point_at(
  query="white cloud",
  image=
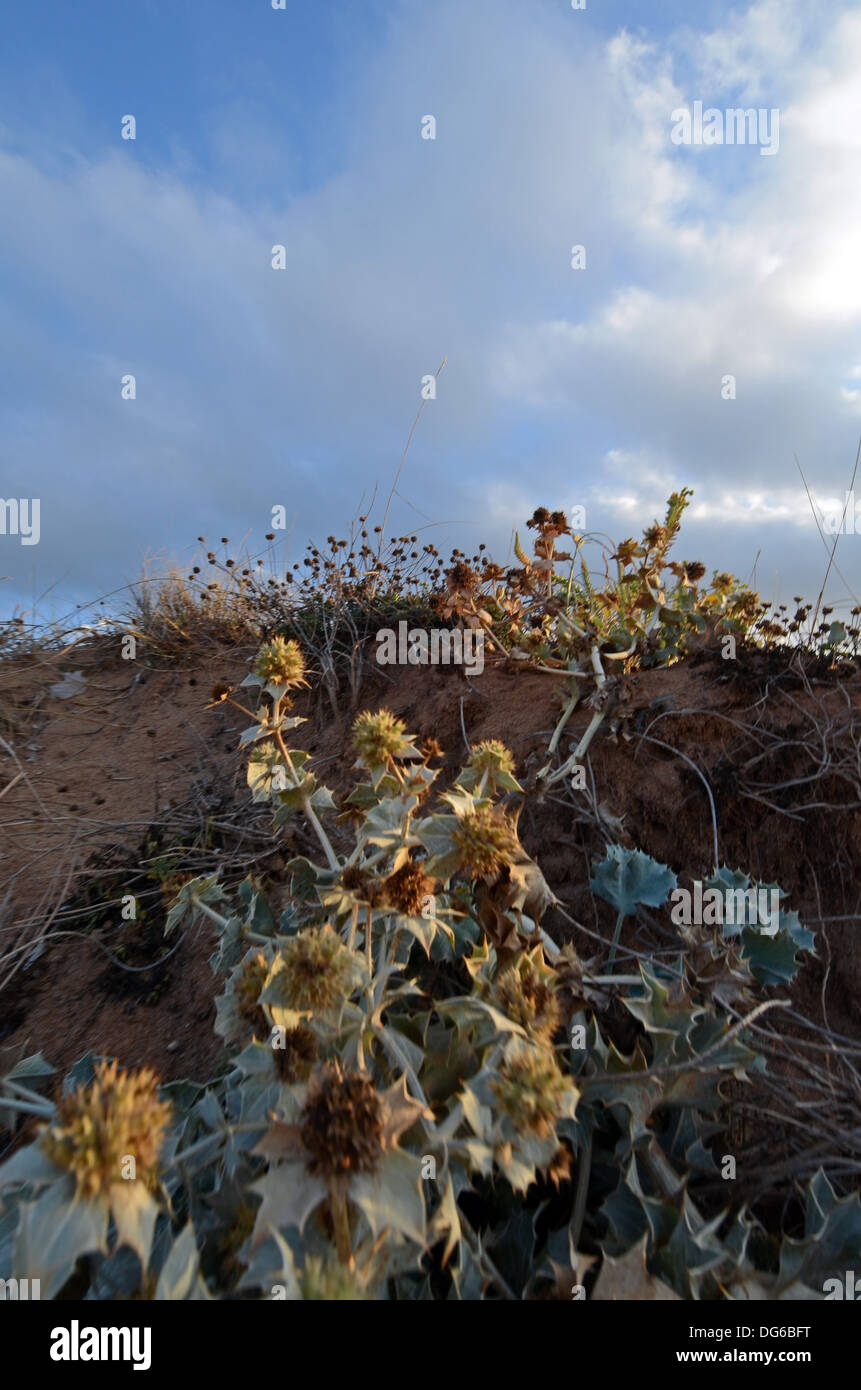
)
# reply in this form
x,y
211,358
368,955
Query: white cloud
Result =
x,y
257,388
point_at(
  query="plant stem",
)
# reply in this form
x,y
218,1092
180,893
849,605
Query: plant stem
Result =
x,y
351,939
583,1170
209,912
579,752
198,1147
27,1107
25,1093
619,920
341,1222
330,854
570,706
369,954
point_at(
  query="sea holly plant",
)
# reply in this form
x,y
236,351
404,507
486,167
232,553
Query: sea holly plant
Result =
x,y
751,914
626,877
90,1182
401,1110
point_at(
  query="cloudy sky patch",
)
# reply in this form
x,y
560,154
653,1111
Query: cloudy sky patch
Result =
x,y
599,386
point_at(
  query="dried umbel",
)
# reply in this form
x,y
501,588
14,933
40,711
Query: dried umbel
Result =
x,y
314,972
342,1124
281,662
363,885
247,990
98,1127
295,1053
690,572
491,756
530,1089
379,737
462,578
656,537
407,888
526,992
486,842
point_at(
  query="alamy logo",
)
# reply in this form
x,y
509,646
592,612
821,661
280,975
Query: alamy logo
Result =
x,y
839,518
737,126
20,1288
746,907
20,517
844,1288
438,646
78,1343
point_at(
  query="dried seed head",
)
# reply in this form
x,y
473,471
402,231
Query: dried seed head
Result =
x,y
281,662
656,537
247,991
530,1089
379,737
99,1126
363,885
295,1060
314,972
354,879
407,888
491,756
486,842
627,551
342,1124
526,992
689,571
462,578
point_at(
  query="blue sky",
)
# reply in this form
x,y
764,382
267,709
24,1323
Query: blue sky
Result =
x,y
301,127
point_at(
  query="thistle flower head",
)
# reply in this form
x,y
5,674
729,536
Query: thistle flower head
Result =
x,y
407,888
485,840
342,1124
745,604
363,885
247,989
379,737
314,972
99,1126
688,571
281,662
526,992
530,1089
295,1060
656,537
491,755
461,578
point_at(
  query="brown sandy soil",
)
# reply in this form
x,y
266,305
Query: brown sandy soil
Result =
x,y
105,782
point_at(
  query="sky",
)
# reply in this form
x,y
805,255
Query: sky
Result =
x,y
710,340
